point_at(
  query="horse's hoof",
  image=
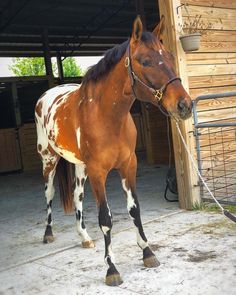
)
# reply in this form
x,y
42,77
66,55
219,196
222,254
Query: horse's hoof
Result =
x,y
151,261
88,244
48,239
114,280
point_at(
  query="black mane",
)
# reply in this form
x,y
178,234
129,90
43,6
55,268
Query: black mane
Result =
x,y
112,57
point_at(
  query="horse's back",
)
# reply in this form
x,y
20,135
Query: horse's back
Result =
x,y
54,112
54,95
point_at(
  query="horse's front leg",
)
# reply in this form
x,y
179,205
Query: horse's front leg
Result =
x,y
128,178
97,180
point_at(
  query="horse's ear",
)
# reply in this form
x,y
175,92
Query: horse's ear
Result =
x,y
158,31
137,29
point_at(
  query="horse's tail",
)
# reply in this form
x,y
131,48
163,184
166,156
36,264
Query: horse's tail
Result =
x,y
66,175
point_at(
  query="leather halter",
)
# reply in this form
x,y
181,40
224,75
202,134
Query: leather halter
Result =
x,y
158,93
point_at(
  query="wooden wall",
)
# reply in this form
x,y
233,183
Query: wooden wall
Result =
x,y
212,69
157,148
18,149
28,144
10,158
138,121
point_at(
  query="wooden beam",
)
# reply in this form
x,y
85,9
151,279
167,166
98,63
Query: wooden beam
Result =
x,y
58,47
16,104
209,12
40,53
212,3
61,39
211,70
60,67
200,58
202,91
47,57
23,79
212,81
187,179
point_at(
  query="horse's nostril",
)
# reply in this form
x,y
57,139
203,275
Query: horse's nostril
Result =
x,y
181,105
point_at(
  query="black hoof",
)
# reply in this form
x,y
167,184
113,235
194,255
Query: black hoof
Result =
x,y
151,261
48,236
48,239
113,277
114,280
149,258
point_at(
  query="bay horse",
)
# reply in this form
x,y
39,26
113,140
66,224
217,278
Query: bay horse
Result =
x,y
90,126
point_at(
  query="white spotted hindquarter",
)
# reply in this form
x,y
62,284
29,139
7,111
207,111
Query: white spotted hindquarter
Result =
x,y
54,121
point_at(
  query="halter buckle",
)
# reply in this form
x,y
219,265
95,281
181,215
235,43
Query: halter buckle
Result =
x,y
127,61
158,94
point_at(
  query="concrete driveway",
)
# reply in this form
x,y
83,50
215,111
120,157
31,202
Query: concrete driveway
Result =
x,y
197,250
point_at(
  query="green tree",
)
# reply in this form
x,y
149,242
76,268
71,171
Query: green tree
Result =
x,y
34,66
70,68
28,66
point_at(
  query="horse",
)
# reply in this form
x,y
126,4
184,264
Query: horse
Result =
x,y
87,130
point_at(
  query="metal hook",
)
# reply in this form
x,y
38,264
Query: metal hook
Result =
x,y
178,7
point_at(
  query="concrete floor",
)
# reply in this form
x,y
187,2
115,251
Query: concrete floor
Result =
x,y
196,249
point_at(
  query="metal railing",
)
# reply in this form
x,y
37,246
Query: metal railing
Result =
x,y
215,133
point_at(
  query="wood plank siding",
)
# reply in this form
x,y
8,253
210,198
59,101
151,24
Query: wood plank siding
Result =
x,y
212,69
28,143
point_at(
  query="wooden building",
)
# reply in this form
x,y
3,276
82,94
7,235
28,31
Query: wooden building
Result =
x,y
211,69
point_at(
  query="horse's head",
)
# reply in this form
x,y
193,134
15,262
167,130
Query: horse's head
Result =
x,y
151,70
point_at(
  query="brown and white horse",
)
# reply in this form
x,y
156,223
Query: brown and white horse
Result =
x,y
91,127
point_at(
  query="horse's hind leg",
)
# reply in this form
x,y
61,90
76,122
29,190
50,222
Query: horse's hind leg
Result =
x,y
50,161
128,175
80,178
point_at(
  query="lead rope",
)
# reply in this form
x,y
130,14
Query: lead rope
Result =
x,y
171,175
224,211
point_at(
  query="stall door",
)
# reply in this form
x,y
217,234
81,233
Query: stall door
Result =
x,y
9,150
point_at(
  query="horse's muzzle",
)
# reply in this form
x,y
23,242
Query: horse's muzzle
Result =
x,y
184,109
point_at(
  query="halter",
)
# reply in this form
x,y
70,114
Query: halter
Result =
x,y
158,93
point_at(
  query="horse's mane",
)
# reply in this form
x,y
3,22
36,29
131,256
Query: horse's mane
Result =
x,y
112,57
103,67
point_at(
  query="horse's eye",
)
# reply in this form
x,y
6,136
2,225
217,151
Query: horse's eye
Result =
x,y
146,63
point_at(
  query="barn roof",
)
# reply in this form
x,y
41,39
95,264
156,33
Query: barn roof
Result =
x,y
75,27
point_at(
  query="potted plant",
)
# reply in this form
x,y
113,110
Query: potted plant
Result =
x,y
192,30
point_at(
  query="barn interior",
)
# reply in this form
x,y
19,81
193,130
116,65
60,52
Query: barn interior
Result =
x,y
61,29
56,29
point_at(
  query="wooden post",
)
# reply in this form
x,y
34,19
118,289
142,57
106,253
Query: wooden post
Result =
x,y
16,104
144,107
187,179
60,68
47,57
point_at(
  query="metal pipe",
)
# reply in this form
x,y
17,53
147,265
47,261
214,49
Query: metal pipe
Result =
x,y
207,125
212,96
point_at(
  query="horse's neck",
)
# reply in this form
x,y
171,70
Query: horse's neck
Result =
x,y
109,100
116,97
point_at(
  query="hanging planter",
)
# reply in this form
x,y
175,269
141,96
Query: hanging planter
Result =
x,y
190,42
191,31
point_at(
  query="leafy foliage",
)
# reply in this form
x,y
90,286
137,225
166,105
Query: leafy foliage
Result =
x,y
34,66
30,66
70,68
